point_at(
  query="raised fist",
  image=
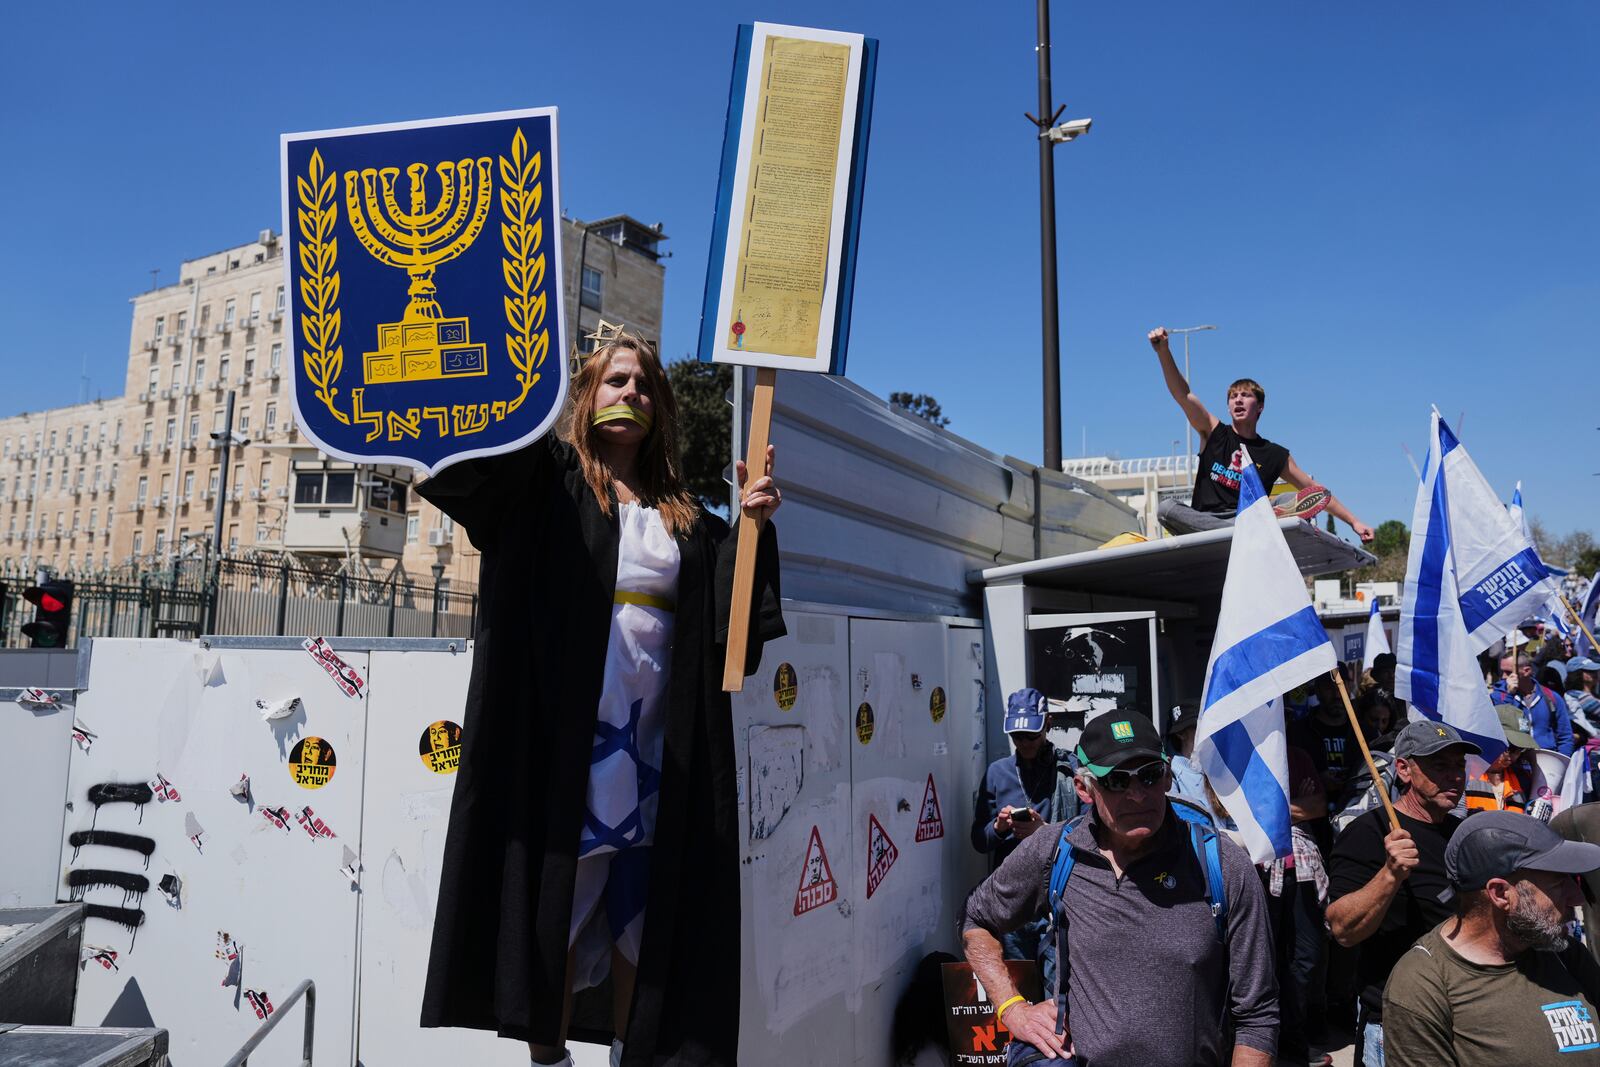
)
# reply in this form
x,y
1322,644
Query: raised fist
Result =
x,y
1158,338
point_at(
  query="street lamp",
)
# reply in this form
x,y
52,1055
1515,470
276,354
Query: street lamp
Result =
x,y
1188,447
1050,135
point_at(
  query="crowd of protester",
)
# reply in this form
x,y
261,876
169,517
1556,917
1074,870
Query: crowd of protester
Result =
x,y
1444,936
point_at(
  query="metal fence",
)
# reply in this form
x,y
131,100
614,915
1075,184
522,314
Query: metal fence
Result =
x,y
249,597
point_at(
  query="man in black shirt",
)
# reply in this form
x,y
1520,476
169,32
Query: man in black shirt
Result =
x,y
1386,888
1216,482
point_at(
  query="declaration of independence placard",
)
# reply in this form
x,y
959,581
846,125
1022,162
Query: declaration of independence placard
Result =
x,y
782,260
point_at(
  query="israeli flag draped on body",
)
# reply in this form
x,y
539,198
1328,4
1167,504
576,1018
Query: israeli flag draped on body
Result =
x,y
1437,667
1268,642
1377,640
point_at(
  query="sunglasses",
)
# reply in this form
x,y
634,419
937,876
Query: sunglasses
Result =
x,y
1149,776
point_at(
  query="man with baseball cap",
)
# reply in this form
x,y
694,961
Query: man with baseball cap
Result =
x,y
1020,793
1500,983
1149,974
1388,887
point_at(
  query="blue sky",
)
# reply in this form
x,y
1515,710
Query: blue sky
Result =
x,y
1382,205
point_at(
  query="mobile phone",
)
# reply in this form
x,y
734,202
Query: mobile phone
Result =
x,y
1022,815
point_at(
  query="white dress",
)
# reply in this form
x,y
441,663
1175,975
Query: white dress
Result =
x,y
625,768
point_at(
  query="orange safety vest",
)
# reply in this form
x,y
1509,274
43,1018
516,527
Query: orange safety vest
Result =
x,y
1508,795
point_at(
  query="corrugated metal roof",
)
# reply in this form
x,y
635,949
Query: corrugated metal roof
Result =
x,y
884,510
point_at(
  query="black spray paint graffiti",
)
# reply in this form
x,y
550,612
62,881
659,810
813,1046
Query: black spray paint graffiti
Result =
x,y
112,839
133,886
129,918
136,793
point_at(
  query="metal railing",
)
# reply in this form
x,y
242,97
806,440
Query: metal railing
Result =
x,y
307,989
252,597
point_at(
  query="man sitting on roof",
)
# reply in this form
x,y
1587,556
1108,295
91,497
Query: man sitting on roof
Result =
x,y
1216,481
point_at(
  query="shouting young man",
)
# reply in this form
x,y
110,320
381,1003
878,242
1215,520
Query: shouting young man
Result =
x,y
1216,481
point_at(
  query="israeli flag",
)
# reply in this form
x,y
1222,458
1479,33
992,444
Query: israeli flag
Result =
x,y
1500,579
1437,669
1553,613
1268,642
1586,615
1377,640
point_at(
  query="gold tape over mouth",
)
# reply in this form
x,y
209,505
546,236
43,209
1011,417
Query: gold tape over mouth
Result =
x,y
622,412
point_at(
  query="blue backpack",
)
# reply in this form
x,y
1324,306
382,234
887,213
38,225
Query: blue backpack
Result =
x,y
1203,838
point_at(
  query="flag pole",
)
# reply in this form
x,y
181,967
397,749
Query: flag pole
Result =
x,y
1361,739
1578,615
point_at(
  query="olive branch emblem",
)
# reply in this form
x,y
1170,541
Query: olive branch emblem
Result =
x,y
523,265
323,356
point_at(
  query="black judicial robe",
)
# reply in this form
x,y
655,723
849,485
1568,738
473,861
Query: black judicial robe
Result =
x,y
547,578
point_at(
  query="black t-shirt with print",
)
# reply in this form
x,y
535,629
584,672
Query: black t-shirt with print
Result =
x,y
1216,482
1423,901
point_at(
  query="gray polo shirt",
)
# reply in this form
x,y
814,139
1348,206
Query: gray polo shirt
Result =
x,y
1148,983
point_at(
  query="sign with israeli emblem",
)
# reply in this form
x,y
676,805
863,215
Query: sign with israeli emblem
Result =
x,y
423,265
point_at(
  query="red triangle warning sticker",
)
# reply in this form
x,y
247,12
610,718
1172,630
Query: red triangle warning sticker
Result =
x,y
817,886
931,823
881,854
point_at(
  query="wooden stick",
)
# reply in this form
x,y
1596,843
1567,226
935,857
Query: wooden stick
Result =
x,y
744,565
1361,739
1593,644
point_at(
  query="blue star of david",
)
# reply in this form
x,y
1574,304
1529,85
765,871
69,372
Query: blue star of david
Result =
x,y
609,740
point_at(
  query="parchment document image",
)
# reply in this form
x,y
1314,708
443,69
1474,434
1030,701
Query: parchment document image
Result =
x,y
783,257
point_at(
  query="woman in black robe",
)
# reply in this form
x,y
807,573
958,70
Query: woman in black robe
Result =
x,y
546,521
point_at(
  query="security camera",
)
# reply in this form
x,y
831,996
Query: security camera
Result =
x,y
1067,131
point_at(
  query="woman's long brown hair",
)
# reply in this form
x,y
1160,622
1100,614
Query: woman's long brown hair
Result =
x,y
660,465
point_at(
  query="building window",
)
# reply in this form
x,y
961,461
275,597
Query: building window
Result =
x,y
48,477
228,310
308,488
388,495
341,488
69,436
161,327
255,306
266,470
52,440
117,438
138,542
593,287
249,364
233,539
143,491
161,541
275,358
278,300
194,430
154,381
413,525
183,322
172,433
199,372
224,364
211,482
149,431
205,316
98,481
77,481
270,421
166,489
188,484
91,521
244,420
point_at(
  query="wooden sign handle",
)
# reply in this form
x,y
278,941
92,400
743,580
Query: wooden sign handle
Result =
x,y
1361,738
744,565
1581,625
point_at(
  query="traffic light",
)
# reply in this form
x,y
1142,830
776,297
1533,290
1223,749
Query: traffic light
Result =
x,y
52,613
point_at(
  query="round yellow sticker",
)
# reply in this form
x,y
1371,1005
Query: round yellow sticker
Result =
x,y
936,703
440,747
864,723
312,762
785,686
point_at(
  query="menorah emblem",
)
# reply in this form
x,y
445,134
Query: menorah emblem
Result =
x,y
424,344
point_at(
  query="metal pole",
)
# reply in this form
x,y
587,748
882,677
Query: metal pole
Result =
x,y
1047,254
338,626
1188,448
222,478
283,597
